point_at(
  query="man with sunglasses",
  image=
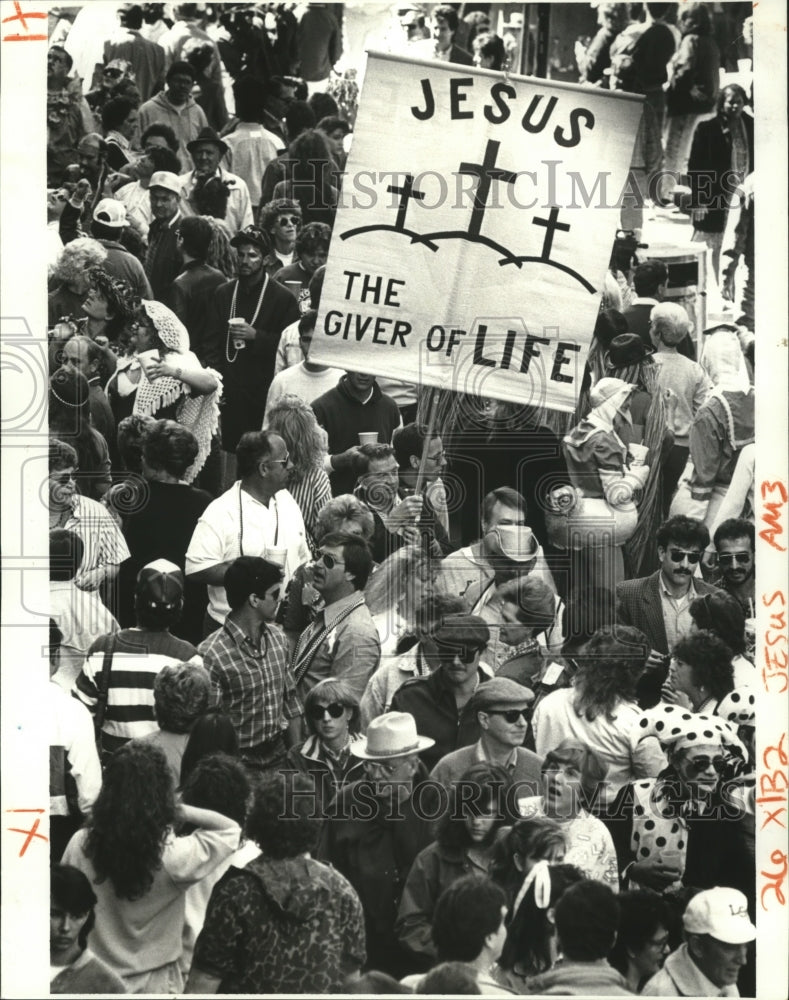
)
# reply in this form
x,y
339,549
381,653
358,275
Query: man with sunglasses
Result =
x,y
735,545
441,703
659,605
247,659
502,708
342,641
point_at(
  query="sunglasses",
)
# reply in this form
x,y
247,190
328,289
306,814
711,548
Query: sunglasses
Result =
x,y
677,555
288,220
114,74
511,715
317,712
729,558
701,764
329,561
465,654
279,461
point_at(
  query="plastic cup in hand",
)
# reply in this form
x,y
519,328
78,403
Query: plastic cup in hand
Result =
x,y
638,453
368,437
148,359
238,342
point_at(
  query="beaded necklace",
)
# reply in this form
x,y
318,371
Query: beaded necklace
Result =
x,y
233,316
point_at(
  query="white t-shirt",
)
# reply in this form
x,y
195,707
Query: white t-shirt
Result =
x,y
237,524
299,381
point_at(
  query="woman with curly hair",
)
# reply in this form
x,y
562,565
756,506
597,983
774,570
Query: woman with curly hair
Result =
x,y
396,590
69,421
600,709
466,834
108,307
294,421
76,261
308,169
181,694
285,923
167,380
280,220
531,946
701,673
140,870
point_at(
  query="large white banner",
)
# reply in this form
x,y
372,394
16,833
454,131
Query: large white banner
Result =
x,y
475,227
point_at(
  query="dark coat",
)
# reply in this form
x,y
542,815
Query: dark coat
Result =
x,y
189,297
637,317
708,168
375,854
432,703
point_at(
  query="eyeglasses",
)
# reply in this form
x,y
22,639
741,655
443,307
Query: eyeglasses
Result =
x,y
466,654
388,767
279,461
677,555
729,558
511,715
330,561
317,712
288,220
113,73
701,764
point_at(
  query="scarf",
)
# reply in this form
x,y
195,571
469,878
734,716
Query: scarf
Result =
x,y
200,414
601,418
313,637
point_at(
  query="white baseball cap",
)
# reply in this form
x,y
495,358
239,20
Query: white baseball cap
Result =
x,y
112,213
722,913
167,180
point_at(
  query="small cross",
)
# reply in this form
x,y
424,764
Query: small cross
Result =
x,y
486,172
551,225
406,192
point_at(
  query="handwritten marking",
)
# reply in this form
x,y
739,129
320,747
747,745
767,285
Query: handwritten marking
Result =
x,y
22,18
29,834
772,514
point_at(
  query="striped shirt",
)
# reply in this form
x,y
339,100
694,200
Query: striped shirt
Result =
x,y
138,657
103,540
311,493
252,680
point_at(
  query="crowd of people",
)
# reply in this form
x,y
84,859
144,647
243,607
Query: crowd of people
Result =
x,y
345,697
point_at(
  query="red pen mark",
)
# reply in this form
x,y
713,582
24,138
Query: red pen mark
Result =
x,y
22,18
31,833
772,514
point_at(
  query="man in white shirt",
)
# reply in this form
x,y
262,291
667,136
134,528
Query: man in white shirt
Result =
x,y
307,380
257,516
206,152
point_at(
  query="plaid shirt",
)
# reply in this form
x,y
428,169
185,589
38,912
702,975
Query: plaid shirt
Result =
x,y
253,681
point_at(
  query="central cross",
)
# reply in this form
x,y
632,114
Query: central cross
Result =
x,y
486,172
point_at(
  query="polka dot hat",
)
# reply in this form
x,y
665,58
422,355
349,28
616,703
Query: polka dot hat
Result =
x,y
678,728
738,708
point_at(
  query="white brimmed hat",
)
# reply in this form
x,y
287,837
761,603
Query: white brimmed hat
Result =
x,y
722,913
391,735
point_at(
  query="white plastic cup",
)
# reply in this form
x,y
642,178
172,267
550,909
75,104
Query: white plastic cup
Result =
x,y
368,437
149,358
238,342
276,555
